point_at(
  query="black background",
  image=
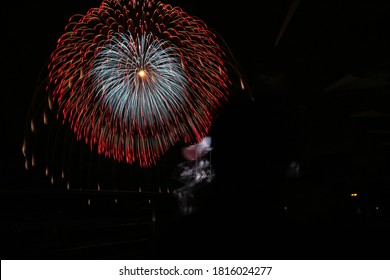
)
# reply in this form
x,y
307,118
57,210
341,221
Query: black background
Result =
x,y
254,209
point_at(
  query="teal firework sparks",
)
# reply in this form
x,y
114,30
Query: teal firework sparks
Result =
x,y
133,78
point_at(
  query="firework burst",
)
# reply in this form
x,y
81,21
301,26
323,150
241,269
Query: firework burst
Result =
x,y
133,78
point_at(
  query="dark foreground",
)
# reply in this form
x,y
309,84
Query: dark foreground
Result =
x,y
77,225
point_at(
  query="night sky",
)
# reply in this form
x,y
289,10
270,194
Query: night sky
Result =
x,y
287,161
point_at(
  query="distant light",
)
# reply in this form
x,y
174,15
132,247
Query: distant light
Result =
x,y
377,208
354,194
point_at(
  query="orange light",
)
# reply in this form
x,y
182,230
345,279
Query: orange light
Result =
x,y
354,194
142,73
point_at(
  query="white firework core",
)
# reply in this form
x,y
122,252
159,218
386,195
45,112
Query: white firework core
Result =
x,y
141,79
